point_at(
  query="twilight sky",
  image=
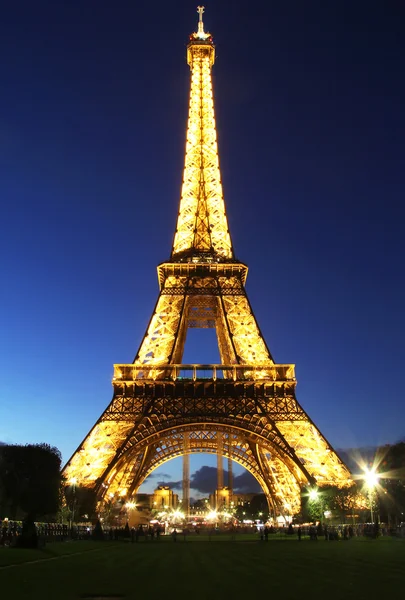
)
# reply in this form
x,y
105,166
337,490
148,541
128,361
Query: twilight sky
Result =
x,y
309,103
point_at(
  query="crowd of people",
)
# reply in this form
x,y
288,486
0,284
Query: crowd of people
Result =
x,y
11,530
144,532
318,530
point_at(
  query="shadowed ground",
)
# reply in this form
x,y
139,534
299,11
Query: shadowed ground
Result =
x,y
197,568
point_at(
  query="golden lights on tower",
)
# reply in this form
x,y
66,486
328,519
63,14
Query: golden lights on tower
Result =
x,y
248,401
202,224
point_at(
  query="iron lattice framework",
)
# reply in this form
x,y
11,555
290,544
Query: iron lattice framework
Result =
x,y
244,408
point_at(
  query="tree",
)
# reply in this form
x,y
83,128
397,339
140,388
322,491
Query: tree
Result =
x,y
81,502
258,504
199,504
346,501
107,512
315,502
391,488
29,480
312,507
97,533
244,512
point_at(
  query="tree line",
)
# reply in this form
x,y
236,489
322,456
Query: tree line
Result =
x,y
32,486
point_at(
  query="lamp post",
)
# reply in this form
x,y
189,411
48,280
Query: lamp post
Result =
x,y
130,507
371,478
313,494
316,496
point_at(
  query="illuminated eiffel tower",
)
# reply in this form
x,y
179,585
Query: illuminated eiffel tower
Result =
x,y
245,408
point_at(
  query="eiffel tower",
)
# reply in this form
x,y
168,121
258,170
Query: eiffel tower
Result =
x,y
243,408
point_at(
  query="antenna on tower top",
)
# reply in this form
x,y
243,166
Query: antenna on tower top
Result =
x,y
201,38
200,10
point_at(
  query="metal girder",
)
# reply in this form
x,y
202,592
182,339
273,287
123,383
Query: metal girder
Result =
x,y
234,445
240,340
158,418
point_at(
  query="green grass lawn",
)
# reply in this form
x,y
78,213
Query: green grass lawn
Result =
x,y
245,568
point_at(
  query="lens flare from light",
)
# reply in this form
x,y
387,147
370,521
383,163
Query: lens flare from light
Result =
x,y
371,478
178,514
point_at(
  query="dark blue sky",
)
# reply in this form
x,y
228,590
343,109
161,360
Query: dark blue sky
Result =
x,y
309,102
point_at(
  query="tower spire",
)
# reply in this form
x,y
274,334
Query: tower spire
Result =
x,y
202,232
201,33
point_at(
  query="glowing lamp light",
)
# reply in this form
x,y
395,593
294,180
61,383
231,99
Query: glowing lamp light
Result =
x,y
212,515
178,514
313,495
371,478
73,481
130,505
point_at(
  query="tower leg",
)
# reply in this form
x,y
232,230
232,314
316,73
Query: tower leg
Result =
x,y
186,476
220,468
230,481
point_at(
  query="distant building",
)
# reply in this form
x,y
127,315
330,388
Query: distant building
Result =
x,y
163,498
223,499
200,508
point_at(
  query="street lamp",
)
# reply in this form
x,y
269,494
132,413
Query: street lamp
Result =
x,y
316,496
177,515
371,479
130,505
313,494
